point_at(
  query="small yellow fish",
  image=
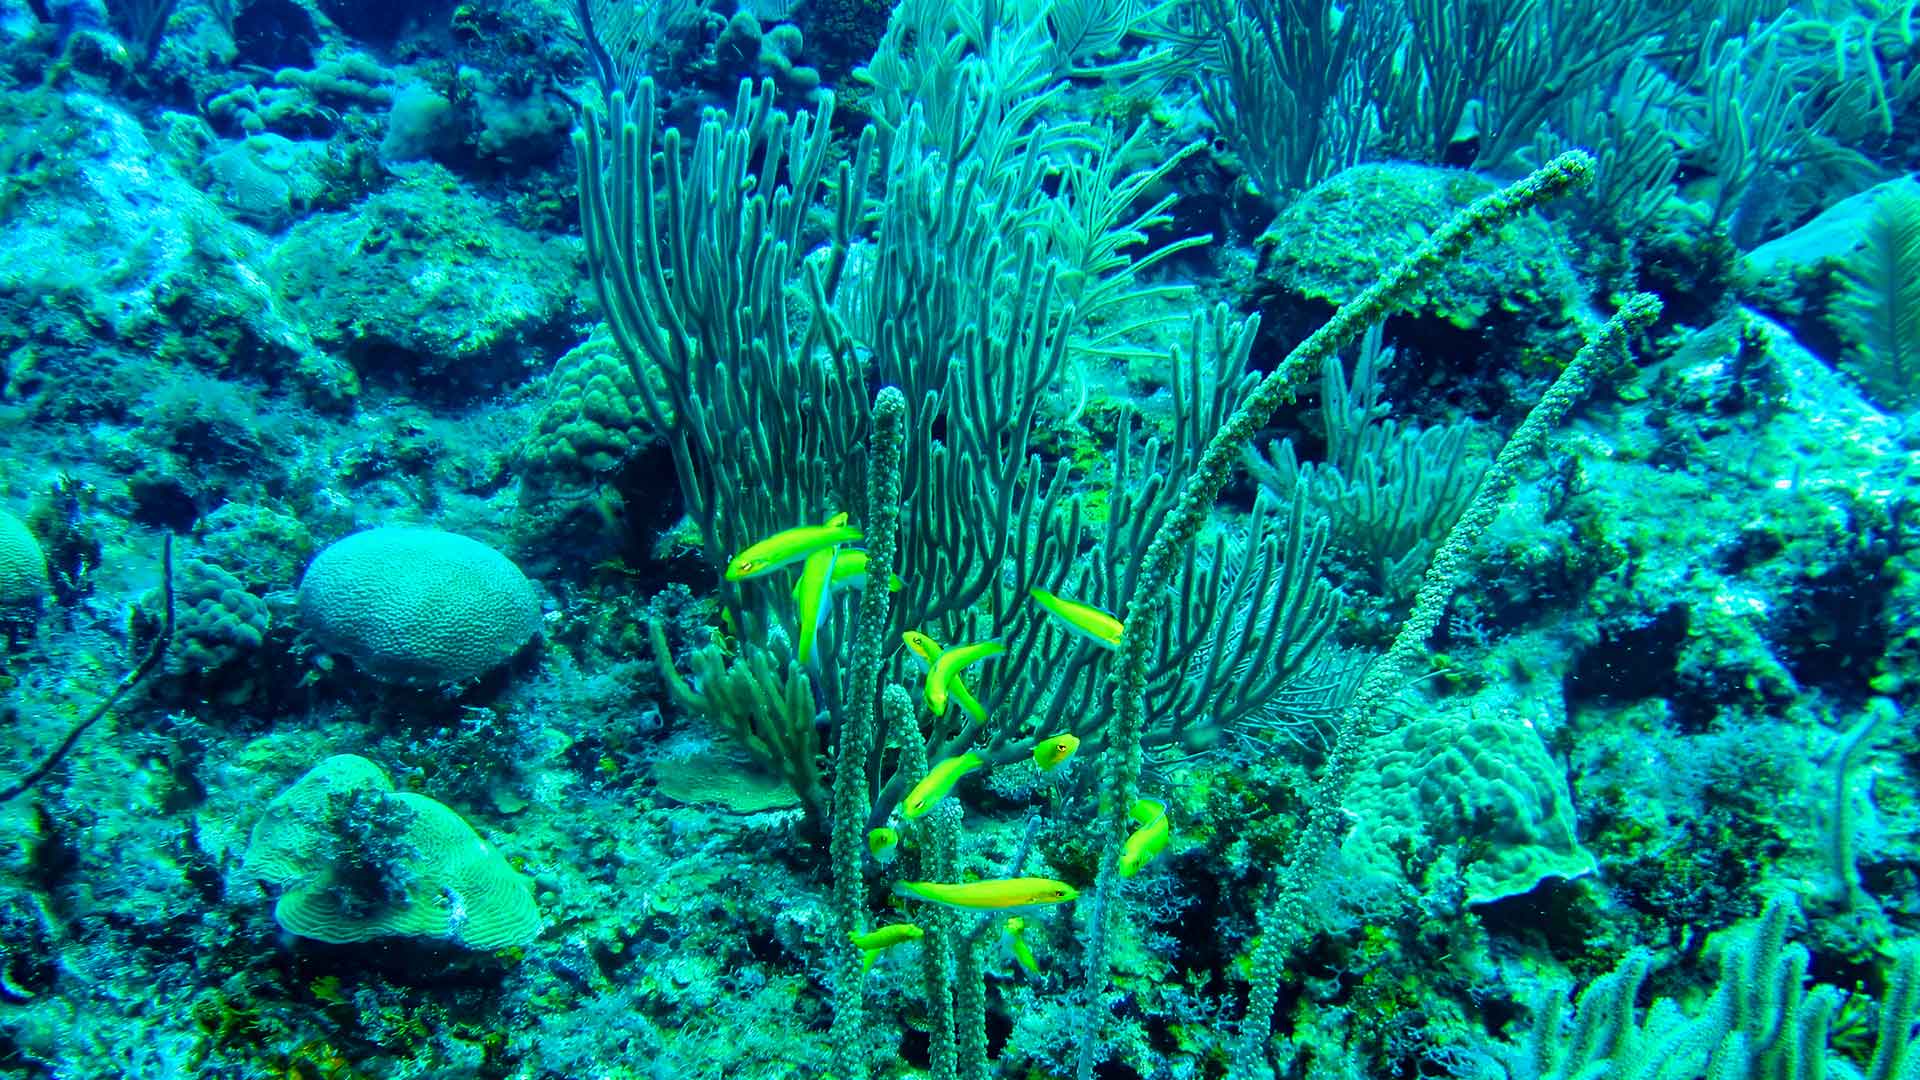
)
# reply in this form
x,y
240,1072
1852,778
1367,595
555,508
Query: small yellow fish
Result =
x,y
939,780
945,674
1017,945
786,548
999,894
1083,619
850,572
925,651
1149,839
813,594
1052,753
883,844
874,942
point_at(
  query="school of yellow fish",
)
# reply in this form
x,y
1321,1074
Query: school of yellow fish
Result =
x,y
827,568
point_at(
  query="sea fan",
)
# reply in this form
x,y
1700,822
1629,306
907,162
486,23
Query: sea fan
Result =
x,y
1879,313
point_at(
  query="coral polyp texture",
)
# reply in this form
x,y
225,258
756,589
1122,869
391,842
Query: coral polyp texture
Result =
x,y
352,860
418,606
23,568
1475,789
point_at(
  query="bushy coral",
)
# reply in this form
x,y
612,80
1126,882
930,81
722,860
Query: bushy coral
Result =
x,y
217,626
63,520
592,423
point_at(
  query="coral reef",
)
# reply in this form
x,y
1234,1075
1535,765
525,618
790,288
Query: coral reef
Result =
x,y
387,390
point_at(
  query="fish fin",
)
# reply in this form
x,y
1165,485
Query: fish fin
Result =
x,y
1146,811
970,703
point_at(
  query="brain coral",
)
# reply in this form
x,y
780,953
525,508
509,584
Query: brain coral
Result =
x,y
418,606
23,567
1473,784
356,860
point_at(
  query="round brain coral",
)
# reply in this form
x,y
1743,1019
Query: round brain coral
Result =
x,y
418,606
23,567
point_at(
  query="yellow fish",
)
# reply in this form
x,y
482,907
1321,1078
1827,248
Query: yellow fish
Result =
x,y
883,844
813,594
945,674
925,651
939,780
788,547
850,572
874,942
1083,619
1052,753
1149,839
1017,945
999,894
